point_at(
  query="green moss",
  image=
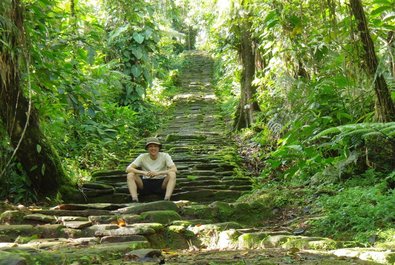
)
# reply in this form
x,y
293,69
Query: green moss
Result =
x,y
223,211
12,217
162,217
197,211
251,240
25,239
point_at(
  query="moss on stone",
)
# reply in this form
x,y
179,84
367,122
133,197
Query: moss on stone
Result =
x,y
162,217
12,217
198,210
251,240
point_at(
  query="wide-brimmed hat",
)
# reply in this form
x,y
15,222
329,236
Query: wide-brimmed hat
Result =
x,y
152,140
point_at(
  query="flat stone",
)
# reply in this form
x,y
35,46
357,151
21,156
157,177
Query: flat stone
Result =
x,y
12,217
163,216
251,240
208,228
110,179
150,206
50,230
371,254
71,218
98,228
205,195
85,241
47,243
11,259
131,218
102,219
40,217
126,231
118,239
115,198
97,192
77,224
7,245
107,172
96,186
100,206
86,213
145,255
8,233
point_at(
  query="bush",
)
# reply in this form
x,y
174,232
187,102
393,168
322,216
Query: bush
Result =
x,y
358,212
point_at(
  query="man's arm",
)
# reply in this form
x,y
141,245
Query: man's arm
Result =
x,y
133,168
163,172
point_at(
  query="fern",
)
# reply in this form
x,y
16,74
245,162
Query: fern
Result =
x,y
360,130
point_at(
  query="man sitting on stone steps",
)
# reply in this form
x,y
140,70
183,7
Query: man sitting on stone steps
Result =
x,y
152,172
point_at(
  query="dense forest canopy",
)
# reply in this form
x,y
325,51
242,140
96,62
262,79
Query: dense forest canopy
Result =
x,y
309,86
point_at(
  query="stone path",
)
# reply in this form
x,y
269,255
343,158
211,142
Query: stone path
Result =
x,y
204,224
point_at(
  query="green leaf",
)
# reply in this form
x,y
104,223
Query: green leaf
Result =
x,y
136,70
138,52
38,148
380,10
118,32
271,19
148,32
385,2
139,38
43,169
140,90
295,147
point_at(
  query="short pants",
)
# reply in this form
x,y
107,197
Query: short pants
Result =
x,y
152,186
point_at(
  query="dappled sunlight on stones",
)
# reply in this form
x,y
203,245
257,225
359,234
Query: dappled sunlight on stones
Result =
x,y
377,255
103,226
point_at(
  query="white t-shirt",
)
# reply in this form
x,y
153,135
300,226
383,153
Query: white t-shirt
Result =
x,y
162,162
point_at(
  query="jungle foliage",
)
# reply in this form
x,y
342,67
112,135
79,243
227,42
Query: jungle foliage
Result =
x,y
307,110
89,71
316,131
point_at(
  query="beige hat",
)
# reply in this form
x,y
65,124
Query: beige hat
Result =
x,y
152,140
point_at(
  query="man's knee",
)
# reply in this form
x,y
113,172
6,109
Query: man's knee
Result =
x,y
130,176
172,175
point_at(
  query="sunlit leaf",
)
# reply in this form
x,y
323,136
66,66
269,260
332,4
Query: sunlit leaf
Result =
x,y
43,169
118,32
138,52
136,70
139,38
38,148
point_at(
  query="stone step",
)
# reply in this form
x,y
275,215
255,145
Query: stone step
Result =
x,y
217,187
206,195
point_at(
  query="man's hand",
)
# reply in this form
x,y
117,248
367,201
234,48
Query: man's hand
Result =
x,y
152,174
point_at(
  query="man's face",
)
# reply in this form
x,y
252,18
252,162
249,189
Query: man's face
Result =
x,y
153,149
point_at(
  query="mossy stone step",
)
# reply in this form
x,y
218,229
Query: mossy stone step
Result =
x,y
110,177
177,137
114,198
9,233
86,255
143,207
99,206
84,213
217,187
96,192
207,195
107,173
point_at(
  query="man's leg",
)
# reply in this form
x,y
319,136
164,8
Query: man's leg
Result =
x,y
134,181
169,183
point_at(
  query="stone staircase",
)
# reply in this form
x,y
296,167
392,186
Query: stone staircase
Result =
x,y
203,224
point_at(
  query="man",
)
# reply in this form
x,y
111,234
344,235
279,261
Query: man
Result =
x,y
152,172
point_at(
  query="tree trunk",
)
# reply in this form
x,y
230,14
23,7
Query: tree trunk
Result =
x,y
247,105
37,156
384,106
